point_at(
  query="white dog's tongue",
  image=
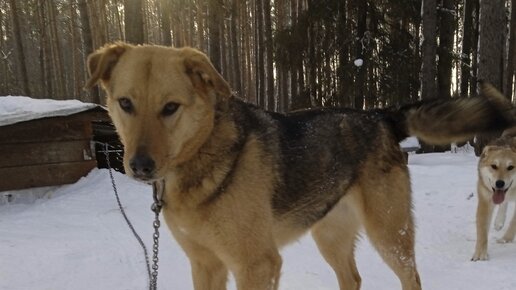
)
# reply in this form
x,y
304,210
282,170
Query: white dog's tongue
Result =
x,y
498,196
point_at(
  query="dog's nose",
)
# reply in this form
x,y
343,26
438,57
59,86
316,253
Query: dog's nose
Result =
x,y
142,165
500,184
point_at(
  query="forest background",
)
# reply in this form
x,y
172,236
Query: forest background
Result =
x,y
282,55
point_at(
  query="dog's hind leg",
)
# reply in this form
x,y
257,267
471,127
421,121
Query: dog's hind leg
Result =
x,y
511,231
387,218
335,236
500,216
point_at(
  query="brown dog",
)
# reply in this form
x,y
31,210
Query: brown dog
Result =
x,y
241,182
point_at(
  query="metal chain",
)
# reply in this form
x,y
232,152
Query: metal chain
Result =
x,y
157,190
156,208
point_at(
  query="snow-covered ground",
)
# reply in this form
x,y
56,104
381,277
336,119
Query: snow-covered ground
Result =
x,y
76,238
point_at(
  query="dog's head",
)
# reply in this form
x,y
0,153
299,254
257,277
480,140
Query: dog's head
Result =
x,y
162,101
497,170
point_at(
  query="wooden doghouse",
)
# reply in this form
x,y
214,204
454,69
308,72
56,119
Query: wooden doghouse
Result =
x,y
51,150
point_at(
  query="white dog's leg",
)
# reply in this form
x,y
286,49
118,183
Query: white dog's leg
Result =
x,y
500,216
484,218
511,231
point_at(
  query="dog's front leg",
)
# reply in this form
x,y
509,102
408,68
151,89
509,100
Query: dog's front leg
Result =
x,y
260,272
500,216
208,271
208,274
484,214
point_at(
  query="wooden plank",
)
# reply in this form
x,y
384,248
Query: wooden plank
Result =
x,y
74,127
52,129
13,178
12,155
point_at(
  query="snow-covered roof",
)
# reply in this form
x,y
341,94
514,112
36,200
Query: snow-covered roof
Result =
x,y
410,143
14,109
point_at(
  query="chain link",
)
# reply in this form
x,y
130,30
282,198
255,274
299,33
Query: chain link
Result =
x,y
157,189
156,208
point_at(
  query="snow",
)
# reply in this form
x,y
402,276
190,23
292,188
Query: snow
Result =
x,y
410,142
14,109
358,62
75,238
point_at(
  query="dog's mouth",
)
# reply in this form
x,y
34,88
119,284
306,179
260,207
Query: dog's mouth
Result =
x,y
499,194
146,178
143,178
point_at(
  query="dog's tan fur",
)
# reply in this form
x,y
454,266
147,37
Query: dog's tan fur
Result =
x,y
496,163
241,183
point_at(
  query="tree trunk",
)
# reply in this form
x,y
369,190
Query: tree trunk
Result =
x,y
22,67
474,49
3,59
360,80
46,66
416,70
269,50
235,51
446,31
490,50
428,50
510,69
165,22
214,33
259,54
57,59
467,38
249,83
343,69
311,62
118,19
223,47
134,21
75,85
300,97
282,69
200,24
88,43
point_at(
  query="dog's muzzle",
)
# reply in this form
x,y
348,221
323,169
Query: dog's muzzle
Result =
x,y
142,166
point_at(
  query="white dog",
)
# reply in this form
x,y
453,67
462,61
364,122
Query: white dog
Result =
x,y
496,186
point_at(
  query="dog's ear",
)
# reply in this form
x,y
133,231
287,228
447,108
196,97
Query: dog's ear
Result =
x,y
485,151
203,74
490,148
101,63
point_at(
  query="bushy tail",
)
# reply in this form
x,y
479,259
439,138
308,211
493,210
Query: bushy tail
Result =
x,y
442,121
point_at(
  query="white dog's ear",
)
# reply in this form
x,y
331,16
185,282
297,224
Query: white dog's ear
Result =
x,y
488,149
203,74
101,63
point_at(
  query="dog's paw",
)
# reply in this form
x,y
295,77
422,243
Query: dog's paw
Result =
x,y
505,240
480,257
498,225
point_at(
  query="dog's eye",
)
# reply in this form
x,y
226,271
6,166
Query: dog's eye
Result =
x,y
169,109
510,167
126,105
494,166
